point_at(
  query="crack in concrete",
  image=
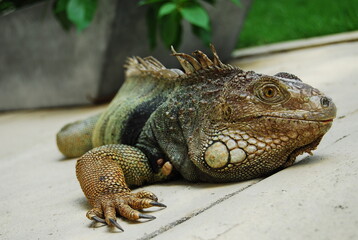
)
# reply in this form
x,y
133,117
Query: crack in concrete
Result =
x,y
224,232
339,139
195,213
348,114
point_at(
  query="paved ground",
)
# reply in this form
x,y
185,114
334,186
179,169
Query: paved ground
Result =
x,y
316,198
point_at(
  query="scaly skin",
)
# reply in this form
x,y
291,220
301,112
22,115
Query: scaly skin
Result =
x,y
213,122
101,175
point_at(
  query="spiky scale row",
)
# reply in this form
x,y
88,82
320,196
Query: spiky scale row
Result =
x,y
149,66
191,64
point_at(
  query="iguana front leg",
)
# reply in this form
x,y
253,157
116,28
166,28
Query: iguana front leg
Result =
x,y
104,174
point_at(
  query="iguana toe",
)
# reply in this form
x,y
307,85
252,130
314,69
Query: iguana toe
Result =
x,y
126,205
146,194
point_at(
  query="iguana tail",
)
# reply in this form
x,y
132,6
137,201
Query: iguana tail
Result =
x,y
75,139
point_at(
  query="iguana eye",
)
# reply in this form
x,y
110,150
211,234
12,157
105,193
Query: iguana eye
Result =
x,y
270,93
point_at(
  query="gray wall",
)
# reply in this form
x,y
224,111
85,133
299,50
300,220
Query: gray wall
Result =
x,y
42,65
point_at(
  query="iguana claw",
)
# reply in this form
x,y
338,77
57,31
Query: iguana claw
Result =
x,y
146,216
114,222
158,204
98,219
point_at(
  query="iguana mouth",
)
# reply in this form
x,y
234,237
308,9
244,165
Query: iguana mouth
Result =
x,y
326,121
308,148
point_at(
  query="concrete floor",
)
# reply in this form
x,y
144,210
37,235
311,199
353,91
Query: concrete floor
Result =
x,y
316,198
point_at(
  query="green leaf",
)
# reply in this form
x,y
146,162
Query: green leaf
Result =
x,y
196,15
166,9
59,10
81,12
202,34
171,30
236,2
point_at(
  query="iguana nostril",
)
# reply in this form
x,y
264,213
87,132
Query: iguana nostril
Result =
x,y
325,102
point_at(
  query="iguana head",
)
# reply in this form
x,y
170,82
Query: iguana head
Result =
x,y
246,124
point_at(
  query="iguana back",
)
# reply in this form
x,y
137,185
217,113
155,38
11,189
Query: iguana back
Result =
x,y
147,85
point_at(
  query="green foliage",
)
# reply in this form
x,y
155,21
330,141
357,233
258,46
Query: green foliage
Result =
x,y
81,12
75,12
166,9
196,15
282,20
163,16
60,11
171,29
167,16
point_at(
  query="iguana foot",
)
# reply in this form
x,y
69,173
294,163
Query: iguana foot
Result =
x,y
123,204
101,174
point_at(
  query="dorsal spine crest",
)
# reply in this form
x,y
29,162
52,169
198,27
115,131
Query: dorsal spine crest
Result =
x,y
194,65
199,64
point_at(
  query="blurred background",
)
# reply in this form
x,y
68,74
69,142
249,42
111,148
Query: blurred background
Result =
x,y
72,52
280,20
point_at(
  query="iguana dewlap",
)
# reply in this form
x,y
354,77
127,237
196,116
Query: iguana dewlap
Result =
x,y
213,122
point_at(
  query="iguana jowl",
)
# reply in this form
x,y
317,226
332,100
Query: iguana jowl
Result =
x,y
213,122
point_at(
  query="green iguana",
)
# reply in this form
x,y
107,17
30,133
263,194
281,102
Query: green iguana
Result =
x,y
213,123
